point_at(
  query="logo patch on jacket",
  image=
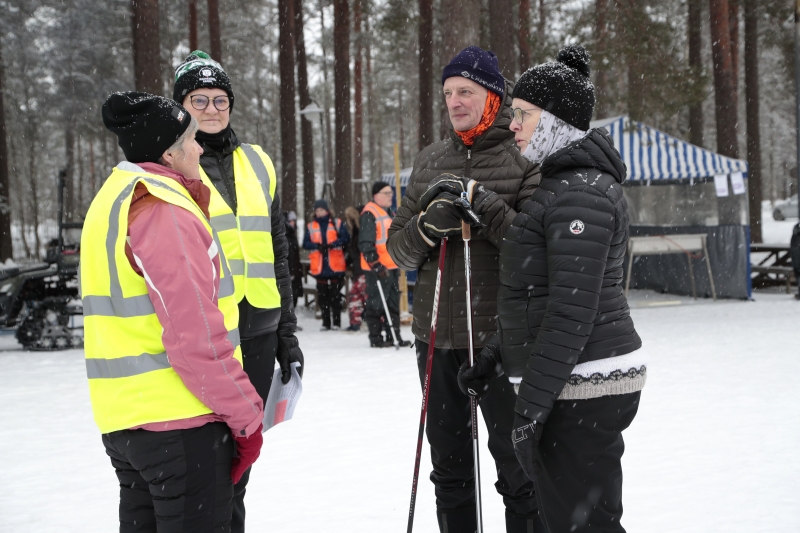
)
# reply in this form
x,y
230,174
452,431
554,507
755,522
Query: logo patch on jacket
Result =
x,y
576,227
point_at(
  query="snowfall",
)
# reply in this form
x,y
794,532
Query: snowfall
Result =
x,y
714,447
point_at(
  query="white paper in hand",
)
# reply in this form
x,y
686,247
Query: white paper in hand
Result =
x,y
282,399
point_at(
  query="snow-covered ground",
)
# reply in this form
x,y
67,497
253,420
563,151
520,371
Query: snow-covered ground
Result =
x,y
713,448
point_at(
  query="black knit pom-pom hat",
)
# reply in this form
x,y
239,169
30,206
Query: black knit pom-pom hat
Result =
x,y
199,71
562,87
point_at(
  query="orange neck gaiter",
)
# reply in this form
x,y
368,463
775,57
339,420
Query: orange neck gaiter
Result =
x,y
489,114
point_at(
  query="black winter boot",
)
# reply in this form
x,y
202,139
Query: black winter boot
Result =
x,y
520,523
461,520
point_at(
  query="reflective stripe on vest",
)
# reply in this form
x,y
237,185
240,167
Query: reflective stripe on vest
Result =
x,y
131,381
246,236
382,223
336,260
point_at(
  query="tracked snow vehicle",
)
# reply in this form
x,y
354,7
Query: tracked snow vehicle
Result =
x,y
40,300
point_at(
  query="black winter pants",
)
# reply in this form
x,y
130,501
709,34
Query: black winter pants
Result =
x,y
258,356
329,296
374,313
448,431
577,464
173,481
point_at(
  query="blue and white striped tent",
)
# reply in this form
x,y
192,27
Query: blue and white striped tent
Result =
x,y
653,155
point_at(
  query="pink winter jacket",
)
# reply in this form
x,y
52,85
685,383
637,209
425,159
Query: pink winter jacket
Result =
x,y
175,254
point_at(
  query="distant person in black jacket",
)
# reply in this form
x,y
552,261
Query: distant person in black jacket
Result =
x,y
295,266
795,251
566,338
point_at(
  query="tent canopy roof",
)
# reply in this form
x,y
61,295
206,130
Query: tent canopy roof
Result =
x,y
651,154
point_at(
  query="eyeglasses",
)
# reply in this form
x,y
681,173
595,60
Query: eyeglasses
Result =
x,y
200,102
387,193
519,114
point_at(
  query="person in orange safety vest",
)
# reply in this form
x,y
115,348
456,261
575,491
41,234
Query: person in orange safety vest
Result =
x,y
379,268
327,237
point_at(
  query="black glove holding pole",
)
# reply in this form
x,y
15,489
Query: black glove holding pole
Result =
x,y
444,216
474,380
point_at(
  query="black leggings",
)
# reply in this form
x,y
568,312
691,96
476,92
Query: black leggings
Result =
x,y
329,296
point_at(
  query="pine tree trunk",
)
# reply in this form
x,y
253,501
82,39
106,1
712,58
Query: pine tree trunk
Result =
x,y
696,64
287,109
601,76
341,84
425,131
6,248
459,29
306,129
524,35
723,79
725,103
214,36
501,37
69,152
326,118
146,47
358,115
374,168
754,181
733,23
193,25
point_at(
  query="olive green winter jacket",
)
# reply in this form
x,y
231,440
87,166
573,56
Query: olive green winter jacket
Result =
x,y
495,161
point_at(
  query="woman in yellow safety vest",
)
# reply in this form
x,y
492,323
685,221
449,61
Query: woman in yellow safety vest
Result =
x,y
246,213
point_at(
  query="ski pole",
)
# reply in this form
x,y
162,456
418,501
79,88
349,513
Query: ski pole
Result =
x,y
388,316
466,234
427,383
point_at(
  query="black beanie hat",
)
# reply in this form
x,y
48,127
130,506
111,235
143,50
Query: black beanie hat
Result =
x,y
477,65
199,71
378,186
563,87
320,203
145,125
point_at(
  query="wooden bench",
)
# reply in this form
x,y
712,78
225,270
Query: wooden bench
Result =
x,y
784,273
775,269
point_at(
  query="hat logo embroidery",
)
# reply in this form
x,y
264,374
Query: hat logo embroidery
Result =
x,y
576,227
180,116
206,72
465,73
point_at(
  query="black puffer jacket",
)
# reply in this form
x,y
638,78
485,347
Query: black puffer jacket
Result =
x,y
495,161
561,301
217,162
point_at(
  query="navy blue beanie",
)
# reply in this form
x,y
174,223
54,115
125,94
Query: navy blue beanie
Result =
x,y
479,66
320,203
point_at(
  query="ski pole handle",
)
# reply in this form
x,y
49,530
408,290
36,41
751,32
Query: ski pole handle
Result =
x,y
466,231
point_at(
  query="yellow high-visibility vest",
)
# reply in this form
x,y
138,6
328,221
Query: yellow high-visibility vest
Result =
x,y
131,381
246,236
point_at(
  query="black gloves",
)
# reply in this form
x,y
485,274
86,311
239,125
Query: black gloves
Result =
x,y
322,247
474,381
525,436
441,219
380,270
289,352
446,183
